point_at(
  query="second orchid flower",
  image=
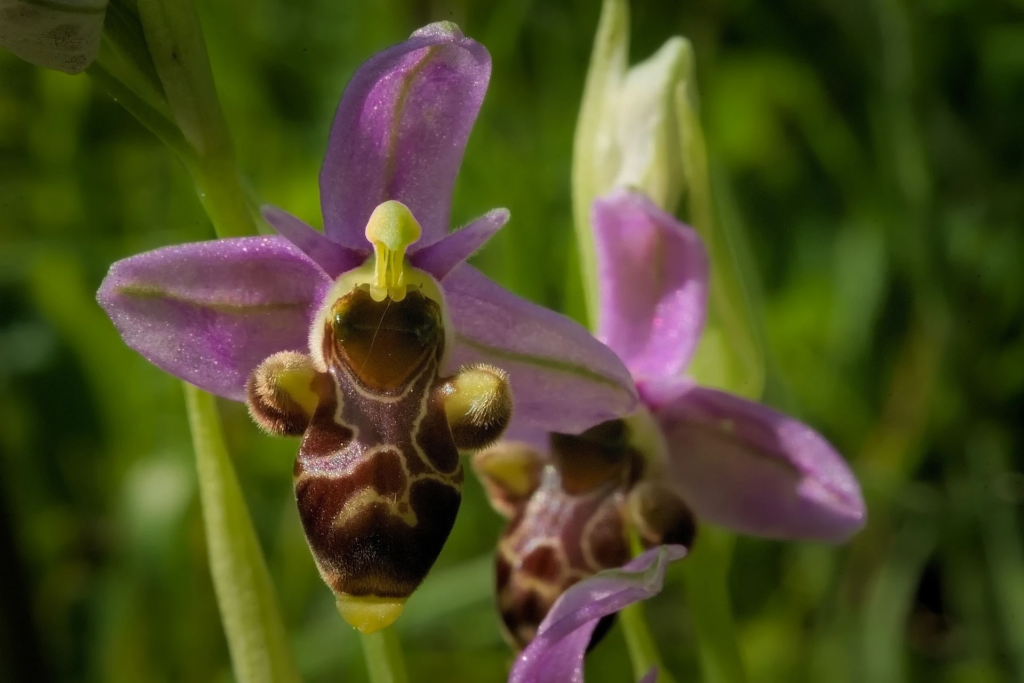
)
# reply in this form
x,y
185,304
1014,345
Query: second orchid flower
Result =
x,y
731,461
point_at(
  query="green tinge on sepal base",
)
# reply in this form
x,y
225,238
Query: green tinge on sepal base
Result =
x,y
257,639
383,654
643,651
706,574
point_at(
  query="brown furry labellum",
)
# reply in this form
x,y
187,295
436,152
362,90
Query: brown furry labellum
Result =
x,y
378,476
570,518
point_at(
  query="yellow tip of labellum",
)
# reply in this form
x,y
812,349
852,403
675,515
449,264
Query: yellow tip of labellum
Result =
x,y
370,614
391,229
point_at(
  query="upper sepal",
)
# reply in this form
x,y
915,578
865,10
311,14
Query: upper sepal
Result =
x,y
401,130
653,284
210,312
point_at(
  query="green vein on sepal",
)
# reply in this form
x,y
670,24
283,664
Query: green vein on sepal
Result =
x,y
564,367
153,292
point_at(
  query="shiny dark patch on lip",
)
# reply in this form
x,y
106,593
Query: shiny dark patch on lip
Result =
x,y
383,342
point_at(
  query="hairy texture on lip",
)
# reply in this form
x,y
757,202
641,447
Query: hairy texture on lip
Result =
x,y
378,482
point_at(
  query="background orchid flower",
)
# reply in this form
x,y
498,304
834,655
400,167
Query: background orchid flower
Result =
x,y
340,334
639,128
736,462
556,654
573,502
629,132
732,461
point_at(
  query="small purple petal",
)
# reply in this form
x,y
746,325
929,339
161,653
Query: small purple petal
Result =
x,y
333,258
651,676
556,653
653,282
563,380
441,257
742,465
210,312
400,132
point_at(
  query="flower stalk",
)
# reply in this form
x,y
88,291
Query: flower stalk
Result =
x,y
643,651
706,571
256,636
176,44
383,653
257,639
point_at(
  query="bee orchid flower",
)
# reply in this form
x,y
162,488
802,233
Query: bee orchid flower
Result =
x,y
373,340
689,453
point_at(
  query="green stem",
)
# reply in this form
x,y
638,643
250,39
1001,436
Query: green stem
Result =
x,y
147,115
643,651
706,571
383,654
175,39
257,641
123,35
222,196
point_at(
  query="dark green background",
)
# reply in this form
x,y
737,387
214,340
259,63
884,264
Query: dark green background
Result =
x,y
871,152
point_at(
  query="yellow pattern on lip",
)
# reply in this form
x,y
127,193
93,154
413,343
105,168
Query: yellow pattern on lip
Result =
x,y
391,229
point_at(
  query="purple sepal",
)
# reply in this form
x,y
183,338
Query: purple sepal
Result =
x,y
745,466
653,281
556,653
400,133
441,257
562,378
333,258
210,312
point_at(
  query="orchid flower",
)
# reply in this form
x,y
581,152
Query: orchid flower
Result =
x,y
373,340
730,461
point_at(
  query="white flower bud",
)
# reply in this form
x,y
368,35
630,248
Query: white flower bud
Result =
x,y
628,133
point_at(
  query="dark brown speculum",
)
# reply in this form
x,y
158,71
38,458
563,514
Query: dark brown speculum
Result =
x,y
575,519
378,478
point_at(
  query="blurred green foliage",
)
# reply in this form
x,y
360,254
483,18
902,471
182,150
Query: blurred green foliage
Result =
x,y
872,154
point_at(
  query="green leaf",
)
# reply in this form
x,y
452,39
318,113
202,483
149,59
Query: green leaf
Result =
x,y
260,651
